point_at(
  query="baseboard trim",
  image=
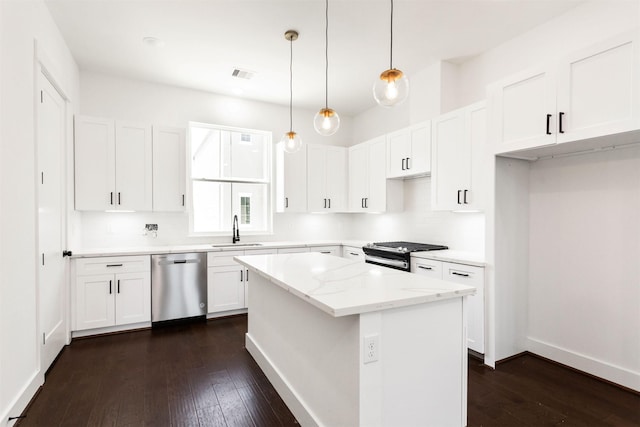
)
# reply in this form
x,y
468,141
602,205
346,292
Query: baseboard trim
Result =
x,y
21,402
617,375
287,393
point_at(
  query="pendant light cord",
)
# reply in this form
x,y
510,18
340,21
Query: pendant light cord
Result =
x,y
326,55
291,84
391,44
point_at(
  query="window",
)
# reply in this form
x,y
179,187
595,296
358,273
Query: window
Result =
x,y
230,175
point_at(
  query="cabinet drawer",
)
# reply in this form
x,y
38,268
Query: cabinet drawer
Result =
x,y
293,250
113,265
260,252
216,259
427,267
328,250
463,274
352,252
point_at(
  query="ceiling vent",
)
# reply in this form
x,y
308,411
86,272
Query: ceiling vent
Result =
x,y
243,74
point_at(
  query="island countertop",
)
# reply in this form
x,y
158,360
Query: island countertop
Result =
x,y
342,287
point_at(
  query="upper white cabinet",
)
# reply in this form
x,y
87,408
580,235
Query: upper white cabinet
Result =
x,y
326,178
369,189
591,93
113,162
169,182
409,151
291,180
458,145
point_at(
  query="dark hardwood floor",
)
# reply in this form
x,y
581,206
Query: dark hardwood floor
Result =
x,y
201,375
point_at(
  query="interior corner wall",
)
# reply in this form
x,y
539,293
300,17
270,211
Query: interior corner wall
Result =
x,y
22,23
584,263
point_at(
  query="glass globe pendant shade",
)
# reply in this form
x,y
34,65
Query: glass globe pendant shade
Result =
x,y
291,142
391,89
326,122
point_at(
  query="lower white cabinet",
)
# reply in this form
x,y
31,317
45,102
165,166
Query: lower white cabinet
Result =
x,y
228,281
111,291
293,250
465,275
353,252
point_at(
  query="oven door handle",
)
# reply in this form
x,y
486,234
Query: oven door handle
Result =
x,y
386,261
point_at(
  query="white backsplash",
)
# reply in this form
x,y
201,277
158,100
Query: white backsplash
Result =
x,y
460,231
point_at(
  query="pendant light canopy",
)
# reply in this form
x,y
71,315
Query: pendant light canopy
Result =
x,y
326,121
392,88
291,140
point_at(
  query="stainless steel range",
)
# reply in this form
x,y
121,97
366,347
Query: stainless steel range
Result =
x,y
395,254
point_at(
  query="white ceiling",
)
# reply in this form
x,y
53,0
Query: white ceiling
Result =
x,y
206,39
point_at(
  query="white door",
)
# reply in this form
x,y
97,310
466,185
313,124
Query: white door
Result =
x,y
524,108
133,167
226,289
336,175
420,159
598,91
358,177
294,180
95,301
133,298
451,161
169,185
398,151
51,226
316,178
377,176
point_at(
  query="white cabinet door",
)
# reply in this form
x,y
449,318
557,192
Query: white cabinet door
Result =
x,y
133,166
471,276
226,288
94,152
327,250
132,298
169,179
358,177
291,180
598,90
377,197
293,250
398,151
523,111
336,173
326,178
457,179
94,302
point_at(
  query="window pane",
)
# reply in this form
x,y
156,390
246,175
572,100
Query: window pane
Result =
x,y
250,203
248,155
211,206
206,153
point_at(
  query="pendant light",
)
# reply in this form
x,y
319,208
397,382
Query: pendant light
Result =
x,y
291,140
326,121
392,87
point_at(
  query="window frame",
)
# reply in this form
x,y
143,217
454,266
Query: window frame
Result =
x,y
268,181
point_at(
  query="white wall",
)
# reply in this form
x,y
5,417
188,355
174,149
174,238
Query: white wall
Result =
x,y
113,97
584,262
21,23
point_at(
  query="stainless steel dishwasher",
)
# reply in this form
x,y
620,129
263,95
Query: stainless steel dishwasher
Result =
x,y
178,286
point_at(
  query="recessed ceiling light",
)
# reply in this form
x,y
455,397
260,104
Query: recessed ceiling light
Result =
x,y
153,42
243,74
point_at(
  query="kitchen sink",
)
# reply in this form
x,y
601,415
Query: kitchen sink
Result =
x,y
234,245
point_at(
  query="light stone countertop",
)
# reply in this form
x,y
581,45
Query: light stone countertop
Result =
x,y
342,287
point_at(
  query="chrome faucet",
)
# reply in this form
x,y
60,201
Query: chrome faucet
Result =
x,y
236,229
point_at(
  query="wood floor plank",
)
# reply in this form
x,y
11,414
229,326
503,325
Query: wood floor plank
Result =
x,y
201,374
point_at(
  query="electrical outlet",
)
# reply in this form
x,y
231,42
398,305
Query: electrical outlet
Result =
x,y
371,348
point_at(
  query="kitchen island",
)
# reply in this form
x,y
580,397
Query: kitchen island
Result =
x,y
353,344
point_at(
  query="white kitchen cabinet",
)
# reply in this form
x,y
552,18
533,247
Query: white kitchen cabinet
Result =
x,y
296,250
591,93
466,275
409,151
369,188
169,176
458,147
353,252
111,291
113,165
327,250
291,180
228,281
326,178
471,276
